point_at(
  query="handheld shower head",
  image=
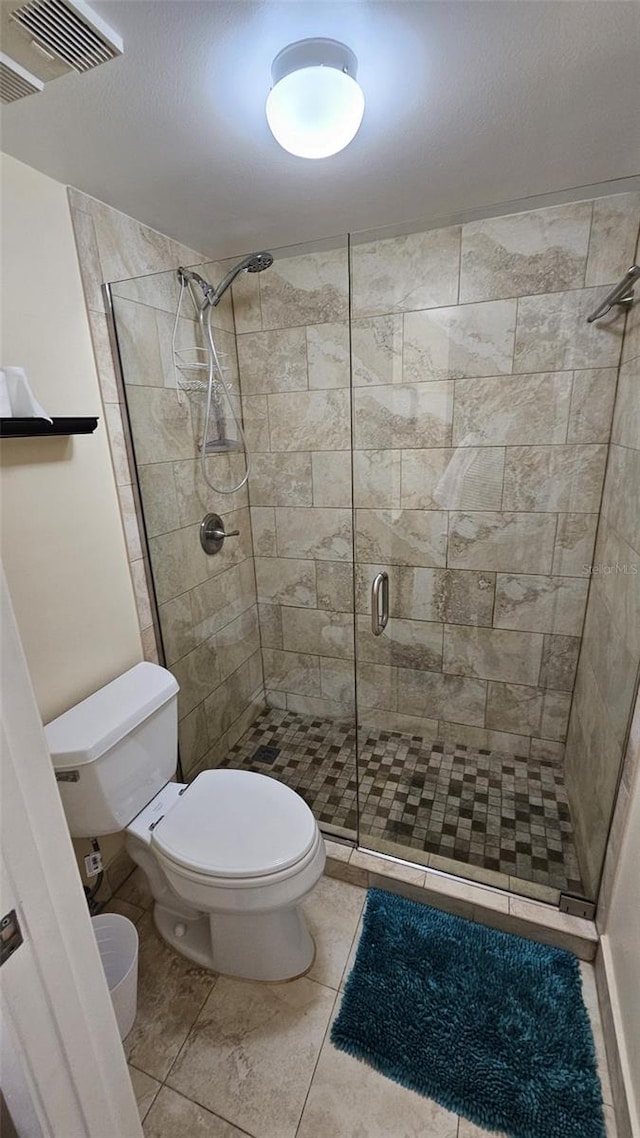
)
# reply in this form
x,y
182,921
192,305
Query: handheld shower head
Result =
x,y
254,263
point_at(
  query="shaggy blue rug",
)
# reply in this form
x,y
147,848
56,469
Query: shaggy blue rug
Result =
x,y
490,1025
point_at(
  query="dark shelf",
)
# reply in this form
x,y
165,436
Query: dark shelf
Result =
x,y
34,428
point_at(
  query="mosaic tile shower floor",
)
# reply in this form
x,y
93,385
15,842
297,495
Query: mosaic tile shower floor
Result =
x,y
497,812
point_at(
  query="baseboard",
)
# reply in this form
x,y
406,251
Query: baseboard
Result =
x,y
603,971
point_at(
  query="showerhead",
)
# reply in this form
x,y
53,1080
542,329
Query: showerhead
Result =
x,y
258,262
254,263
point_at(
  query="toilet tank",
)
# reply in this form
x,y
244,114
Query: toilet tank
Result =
x,y
114,751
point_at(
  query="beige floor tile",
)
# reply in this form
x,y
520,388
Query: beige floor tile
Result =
x,y
337,850
333,911
610,1122
393,869
352,955
125,908
349,1099
590,996
252,1052
173,1116
468,1130
171,992
144,1088
135,890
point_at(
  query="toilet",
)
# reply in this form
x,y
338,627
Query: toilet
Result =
x,y
229,858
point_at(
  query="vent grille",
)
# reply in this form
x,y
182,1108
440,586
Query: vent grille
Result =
x,y
68,32
15,82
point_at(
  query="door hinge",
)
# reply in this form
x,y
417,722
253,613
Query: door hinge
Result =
x,y
10,935
577,906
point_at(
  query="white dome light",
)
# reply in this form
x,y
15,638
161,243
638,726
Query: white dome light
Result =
x,y
315,106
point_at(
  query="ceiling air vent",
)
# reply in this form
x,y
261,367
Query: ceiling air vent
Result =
x,y
69,30
16,81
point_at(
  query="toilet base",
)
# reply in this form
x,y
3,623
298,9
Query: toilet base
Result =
x,y
272,947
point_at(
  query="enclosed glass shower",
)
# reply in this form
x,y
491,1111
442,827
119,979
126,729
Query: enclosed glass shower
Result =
x,y
424,609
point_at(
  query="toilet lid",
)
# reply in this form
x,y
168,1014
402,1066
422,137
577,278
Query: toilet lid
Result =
x,y
236,824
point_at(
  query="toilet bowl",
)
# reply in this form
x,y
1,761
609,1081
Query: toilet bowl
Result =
x,y
228,858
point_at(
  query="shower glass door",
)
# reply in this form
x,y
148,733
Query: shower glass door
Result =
x,y
259,635
292,327
480,446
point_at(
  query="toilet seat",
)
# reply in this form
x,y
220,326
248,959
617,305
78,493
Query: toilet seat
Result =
x,y
238,827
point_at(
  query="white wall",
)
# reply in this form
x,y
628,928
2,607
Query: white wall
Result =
x,y
60,527
621,940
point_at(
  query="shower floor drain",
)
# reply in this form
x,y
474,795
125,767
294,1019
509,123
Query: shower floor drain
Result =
x,y
265,754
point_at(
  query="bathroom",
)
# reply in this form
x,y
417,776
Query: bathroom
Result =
x,y
419,607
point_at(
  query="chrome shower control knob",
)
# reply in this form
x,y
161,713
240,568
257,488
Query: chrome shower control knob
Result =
x,y
213,533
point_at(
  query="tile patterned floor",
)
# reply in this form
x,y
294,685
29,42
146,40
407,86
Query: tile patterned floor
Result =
x,y
222,1058
498,812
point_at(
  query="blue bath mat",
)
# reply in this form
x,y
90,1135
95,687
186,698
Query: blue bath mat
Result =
x,y
490,1025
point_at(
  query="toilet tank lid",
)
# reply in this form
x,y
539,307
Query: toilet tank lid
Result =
x,y
84,732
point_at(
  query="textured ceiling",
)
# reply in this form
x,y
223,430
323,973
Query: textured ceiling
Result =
x,y
468,104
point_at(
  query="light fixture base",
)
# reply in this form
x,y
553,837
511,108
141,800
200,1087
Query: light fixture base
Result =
x,y
317,52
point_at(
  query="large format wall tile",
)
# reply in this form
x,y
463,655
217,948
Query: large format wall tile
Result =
x,y
286,581
331,478
614,233
492,654
311,288
553,334
376,350
508,542
508,410
314,420
376,477
592,396
396,274
328,355
220,599
296,672
403,415
441,696
320,533
451,343
575,539
334,582
405,644
554,478
468,478
405,537
159,498
281,480
616,583
621,500
559,662
273,361
318,631
540,604
626,424
541,251
162,427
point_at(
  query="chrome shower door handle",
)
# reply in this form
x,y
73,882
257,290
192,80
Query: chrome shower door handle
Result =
x,y
379,603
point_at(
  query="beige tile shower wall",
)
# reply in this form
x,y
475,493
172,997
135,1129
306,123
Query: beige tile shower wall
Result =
x,y
610,656
207,606
293,355
482,410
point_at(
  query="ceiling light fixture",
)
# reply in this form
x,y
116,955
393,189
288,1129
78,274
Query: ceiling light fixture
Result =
x,y
315,106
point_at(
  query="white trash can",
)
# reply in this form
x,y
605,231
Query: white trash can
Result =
x,y
117,939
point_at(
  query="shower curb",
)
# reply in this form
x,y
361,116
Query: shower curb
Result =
x,y
497,908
